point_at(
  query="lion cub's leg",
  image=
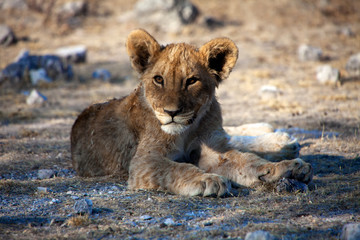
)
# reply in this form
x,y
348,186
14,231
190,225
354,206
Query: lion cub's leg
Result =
x,y
248,169
261,139
153,171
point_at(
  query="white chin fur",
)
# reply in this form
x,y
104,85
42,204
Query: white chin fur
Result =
x,y
174,128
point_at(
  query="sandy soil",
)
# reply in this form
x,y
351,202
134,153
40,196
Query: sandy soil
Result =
x,y
268,34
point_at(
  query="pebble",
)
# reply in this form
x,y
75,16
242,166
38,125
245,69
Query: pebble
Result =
x,y
46,173
169,222
72,9
83,206
7,36
145,217
309,53
168,15
55,200
291,185
259,235
268,92
327,75
42,189
73,54
35,97
353,65
351,231
115,188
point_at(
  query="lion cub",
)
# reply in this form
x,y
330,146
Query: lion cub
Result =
x,y
167,135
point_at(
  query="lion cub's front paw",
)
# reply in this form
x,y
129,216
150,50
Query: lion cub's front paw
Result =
x,y
294,169
210,185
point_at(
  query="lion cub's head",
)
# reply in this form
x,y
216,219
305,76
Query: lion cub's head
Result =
x,y
179,79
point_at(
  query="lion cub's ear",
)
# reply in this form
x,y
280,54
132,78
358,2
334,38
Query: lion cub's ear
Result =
x,y
141,48
220,56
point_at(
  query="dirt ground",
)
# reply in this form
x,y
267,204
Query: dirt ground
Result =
x,y
324,118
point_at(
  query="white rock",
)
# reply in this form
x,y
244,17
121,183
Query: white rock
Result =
x,y
327,75
351,231
259,235
169,222
54,200
83,206
168,15
268,92
42,189
35,97
309,53
45,173
73,8
145,217
75,54
7,36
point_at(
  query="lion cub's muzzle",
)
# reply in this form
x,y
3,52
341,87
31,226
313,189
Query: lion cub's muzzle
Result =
x,y
175,121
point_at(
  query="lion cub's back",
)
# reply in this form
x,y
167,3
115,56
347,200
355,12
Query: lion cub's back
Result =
x,y
102,142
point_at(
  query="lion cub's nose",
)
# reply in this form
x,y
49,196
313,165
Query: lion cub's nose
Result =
x,y
172,113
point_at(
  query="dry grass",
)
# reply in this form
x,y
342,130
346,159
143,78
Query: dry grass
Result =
x,y
37,137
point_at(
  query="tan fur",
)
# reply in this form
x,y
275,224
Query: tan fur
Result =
x,y
167,134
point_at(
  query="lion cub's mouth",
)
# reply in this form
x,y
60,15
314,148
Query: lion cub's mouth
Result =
x,y
177,124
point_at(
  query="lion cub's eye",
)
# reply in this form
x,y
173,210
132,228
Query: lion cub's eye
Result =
x,y
159,80
191,81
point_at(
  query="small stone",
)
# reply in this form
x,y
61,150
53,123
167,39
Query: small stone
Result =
x,y
291,185
102,74
7,37
259,235
309,53
169,222
46,173
353,65
115,188
35,97
54,200
72,9
83,206
327,75
39,75
74,54
145,217
268,92
42,189
168,15
351,231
